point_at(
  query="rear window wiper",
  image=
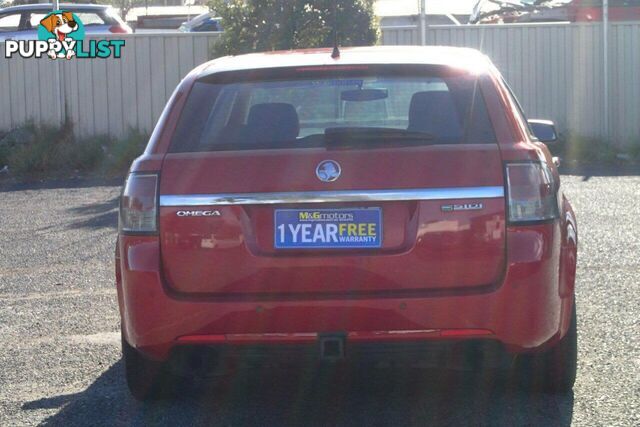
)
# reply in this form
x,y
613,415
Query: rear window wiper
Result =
x,y
352,136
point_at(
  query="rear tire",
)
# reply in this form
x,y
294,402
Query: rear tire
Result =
x,y
553,371
146,379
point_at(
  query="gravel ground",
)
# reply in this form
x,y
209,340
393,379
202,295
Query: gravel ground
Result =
x,y
60,356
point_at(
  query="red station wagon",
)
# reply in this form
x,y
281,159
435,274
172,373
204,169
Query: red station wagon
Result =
x,y
387,205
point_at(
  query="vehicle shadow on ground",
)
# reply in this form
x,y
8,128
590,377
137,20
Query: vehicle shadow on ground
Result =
x,y
305,398
95,215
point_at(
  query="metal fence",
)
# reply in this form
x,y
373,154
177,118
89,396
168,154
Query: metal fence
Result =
x,y
557,70
101,96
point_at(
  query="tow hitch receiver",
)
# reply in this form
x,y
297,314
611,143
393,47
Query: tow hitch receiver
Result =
x,y
332,347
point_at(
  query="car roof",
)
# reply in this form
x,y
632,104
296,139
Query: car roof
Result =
x,y
49,6
464,58
202,16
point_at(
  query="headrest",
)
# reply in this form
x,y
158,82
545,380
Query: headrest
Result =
x,y
273,122
434,112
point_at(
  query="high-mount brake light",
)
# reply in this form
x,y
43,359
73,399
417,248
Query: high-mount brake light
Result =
x,y
333,68
531,192
138,207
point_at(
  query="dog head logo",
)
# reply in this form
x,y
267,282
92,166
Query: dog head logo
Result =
x,y
61,36
61,29
60,24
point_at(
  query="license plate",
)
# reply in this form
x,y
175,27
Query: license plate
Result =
x,y
328,228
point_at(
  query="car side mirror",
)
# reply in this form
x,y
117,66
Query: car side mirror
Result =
x,y
544,130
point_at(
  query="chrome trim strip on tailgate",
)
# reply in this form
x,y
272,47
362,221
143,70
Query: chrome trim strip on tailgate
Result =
x,y
454,193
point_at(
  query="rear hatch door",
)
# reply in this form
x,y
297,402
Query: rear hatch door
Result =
x,y
299,199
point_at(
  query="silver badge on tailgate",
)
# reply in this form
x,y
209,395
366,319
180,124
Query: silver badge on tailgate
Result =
x,y
328,171
198,213
462,207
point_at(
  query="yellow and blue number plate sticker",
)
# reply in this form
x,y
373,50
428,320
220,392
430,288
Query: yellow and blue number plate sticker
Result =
x,y
328,228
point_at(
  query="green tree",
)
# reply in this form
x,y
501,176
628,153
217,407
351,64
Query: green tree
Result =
x,y
264,25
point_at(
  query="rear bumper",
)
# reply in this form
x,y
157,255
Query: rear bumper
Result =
x,y
450,354
527,311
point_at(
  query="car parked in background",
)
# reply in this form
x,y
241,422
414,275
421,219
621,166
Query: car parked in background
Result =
x,y
591,10
520,11
21,22
411,21
202,23
386,204
513,11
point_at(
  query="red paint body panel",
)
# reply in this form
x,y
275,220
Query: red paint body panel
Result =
x,y
425,254
250,171
422,248
466,275
156,318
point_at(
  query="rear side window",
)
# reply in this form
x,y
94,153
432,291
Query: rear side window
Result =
x,y
9,22
90,18
35,18
315,112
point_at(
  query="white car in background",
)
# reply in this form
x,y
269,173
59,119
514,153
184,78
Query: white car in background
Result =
x,y
21,22
202,23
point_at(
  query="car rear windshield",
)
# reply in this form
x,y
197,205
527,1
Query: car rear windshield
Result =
x,y
335,110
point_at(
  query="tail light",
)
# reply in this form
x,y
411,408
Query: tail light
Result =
x,y
119,29
532,193
138,206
